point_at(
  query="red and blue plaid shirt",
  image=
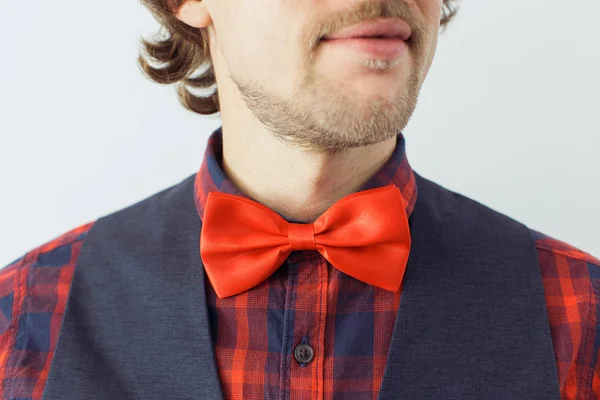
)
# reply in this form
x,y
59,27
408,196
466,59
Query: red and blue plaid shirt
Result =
x,y
304,301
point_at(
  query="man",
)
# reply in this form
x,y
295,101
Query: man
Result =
x,y
305,259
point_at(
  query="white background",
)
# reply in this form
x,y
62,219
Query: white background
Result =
x,y
509,116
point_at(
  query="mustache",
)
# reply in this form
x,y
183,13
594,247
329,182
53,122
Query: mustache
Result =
x,y
365,11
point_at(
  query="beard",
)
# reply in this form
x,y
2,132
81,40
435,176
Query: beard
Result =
x,y
323,115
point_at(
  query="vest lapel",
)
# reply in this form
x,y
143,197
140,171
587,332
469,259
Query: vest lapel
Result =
x,y
472,322
136,324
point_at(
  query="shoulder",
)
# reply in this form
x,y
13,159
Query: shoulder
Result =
x,y
54,253
571,280
546,243
553,251
33,295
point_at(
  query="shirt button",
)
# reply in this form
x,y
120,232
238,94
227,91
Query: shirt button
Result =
x,y
303,353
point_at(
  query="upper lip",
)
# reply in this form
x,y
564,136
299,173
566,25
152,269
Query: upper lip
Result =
x,y
388,27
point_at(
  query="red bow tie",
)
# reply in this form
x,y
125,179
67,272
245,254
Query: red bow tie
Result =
x,y
365,235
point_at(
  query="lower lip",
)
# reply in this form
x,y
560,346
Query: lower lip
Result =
x,y
387,48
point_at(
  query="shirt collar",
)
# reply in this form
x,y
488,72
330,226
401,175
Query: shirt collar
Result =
x,y
211,178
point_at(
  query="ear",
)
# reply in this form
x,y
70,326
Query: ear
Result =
x,y
194,13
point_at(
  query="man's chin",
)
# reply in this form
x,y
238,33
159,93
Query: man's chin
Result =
x,y
356,132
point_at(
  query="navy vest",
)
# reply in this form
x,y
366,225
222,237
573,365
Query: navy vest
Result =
x,y
472,322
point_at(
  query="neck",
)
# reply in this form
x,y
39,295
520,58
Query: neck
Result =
x,y
296,184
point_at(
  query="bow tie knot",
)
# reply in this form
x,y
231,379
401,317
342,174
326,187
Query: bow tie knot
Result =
x,y
302,236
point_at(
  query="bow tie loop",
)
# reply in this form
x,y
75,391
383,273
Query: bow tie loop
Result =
x,y
302,236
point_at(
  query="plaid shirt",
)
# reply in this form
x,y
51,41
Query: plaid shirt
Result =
x,y
305,301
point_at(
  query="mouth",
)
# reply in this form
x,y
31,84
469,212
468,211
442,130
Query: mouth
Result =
x,y
379,28
383,38
379,47
325,39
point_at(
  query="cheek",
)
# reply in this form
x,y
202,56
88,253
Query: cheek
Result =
x,y
431,10
257,56
432,51
245,38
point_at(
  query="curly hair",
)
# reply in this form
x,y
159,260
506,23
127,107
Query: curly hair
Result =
x,y
180,54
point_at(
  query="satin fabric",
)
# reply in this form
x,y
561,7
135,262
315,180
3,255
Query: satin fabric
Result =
x,y
365,235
